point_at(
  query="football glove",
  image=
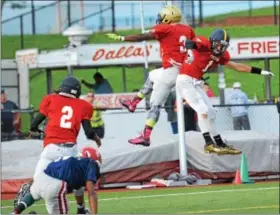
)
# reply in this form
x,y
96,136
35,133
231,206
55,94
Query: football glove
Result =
x,y
115,37
263,72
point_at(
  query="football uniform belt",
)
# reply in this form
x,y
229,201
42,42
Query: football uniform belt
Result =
x,y
68,145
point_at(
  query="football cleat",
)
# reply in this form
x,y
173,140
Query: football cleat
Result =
x,y
24,189
83,211
231,150
128,105
212,148
140,141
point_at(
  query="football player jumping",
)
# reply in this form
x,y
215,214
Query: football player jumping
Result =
x,y
61,177
65,113
171,35
206,54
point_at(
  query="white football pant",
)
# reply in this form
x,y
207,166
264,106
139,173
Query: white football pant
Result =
x,y
52,152
192,91
163,81
53,191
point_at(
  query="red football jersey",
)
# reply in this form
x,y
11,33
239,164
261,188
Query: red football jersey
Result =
x,y
64,116
172,40
203,59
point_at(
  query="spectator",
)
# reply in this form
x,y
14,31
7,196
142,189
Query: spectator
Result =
x,y
97,122
9,120
239,113
101,85
171,114
208,90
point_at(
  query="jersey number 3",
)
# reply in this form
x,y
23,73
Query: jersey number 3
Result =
x,y
67,113
183,40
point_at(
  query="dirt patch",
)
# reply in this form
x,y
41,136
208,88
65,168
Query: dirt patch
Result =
x,y
253,20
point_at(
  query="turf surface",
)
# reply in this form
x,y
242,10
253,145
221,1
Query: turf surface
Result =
x,y
259,198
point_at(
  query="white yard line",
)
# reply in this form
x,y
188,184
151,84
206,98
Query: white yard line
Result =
x,y
171,194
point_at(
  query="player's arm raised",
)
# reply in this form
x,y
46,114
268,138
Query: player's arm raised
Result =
x,y
132,38
240,67
92,197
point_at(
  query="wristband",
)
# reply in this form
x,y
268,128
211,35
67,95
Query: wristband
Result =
x,y
256,70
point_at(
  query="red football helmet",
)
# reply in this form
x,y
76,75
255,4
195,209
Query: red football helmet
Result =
x,y
90,152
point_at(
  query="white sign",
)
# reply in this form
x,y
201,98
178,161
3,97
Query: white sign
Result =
x,y
132,53
118,53
58,58
28,57
252,48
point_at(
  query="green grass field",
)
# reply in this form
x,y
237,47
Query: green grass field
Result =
x,y
260,198
266,11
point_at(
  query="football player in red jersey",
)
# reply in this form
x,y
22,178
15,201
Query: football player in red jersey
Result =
x,y
206,54
171,36
65,113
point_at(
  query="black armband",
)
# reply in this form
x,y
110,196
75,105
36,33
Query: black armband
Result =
x,y
256,70
190,44
88,129
37,121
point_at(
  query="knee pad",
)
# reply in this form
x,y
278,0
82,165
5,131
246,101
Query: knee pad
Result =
x,y
147,87
154,112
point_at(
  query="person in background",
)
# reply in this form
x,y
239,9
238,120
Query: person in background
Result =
x,y
97,122
208,90
170,110
101,85
239,113
9,120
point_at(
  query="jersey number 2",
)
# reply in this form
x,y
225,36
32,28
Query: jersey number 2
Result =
x,y
67,113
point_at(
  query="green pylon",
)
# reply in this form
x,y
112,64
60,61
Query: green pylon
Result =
x,y
244,170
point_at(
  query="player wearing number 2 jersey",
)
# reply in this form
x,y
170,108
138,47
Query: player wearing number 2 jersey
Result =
x,y
206,54
65,113
171,36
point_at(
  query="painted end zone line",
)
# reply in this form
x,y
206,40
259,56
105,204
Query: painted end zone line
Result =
x,y
172,194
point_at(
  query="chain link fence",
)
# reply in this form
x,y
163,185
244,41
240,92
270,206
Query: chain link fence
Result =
x,y
262,118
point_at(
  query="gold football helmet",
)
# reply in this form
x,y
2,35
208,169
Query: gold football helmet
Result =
x,y
169,14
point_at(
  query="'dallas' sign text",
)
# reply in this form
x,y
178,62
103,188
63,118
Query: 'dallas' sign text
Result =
x,y
123,51
133,53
